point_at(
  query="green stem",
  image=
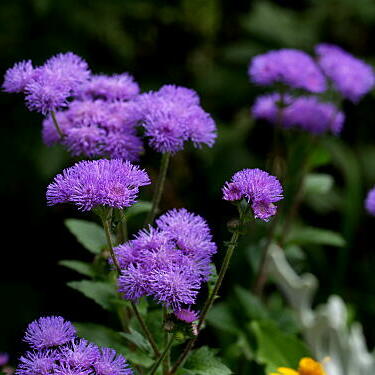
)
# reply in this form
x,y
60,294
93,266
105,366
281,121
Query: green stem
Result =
x,y
106,219
159,187
145,329
166,340
210,300
163,355
55,122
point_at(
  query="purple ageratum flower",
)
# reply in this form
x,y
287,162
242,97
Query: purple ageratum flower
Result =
x,y
41,362
187,315
89,184
172,116
47,332
351,76
305,112
50,135
79,354
54,82
258,187
122,145
370,202
111,363
109,88
175,285
168,262
191,235
4,359
288,66
17,77
66,369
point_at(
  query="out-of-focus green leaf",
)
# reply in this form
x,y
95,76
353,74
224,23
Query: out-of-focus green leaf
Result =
x,y
318,183
81,267
250,304
317,236
90,235
203,361
221,317
138,208
138,339
104,294
275,348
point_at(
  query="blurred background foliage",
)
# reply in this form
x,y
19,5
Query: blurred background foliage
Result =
x,y
206,45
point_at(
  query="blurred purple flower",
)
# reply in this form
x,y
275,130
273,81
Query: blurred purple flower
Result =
x,y
4,359
288,66
370,202
17,77
187,315
351,76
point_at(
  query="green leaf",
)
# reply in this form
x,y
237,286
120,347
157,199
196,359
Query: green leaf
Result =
x,y
221,317
251,305
317,236
204,362
318,183
138,208
276,348
81,267
90,235
101,292
137,339
106,337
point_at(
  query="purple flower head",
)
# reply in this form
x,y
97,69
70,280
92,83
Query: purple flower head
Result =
x,y
50,135
259,188
53,83
109,88
187,315
79,354
351,76
168,262
89,184
17,77
111,363
4,359
122,145
172,116
175,285
41,362
304,112
47,332
370,202
66,369
288,66
85,140
191,235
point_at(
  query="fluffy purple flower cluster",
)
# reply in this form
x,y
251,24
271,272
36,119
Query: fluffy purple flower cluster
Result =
x,y
370,202
58,350
291,67
258,187
47,87
89,184
173,115
168,262
305,112
350,76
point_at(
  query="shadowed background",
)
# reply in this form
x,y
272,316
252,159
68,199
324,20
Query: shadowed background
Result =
x,y
205,45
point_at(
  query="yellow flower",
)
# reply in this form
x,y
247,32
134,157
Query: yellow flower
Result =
x,y
307,366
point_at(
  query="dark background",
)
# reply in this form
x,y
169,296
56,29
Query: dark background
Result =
x,y
206,45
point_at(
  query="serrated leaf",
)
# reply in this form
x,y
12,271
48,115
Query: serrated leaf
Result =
x,y
204,361
138,208
137,339
276,348
90,235
318,183
317,236
106,337
250,304
104,294
78,266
